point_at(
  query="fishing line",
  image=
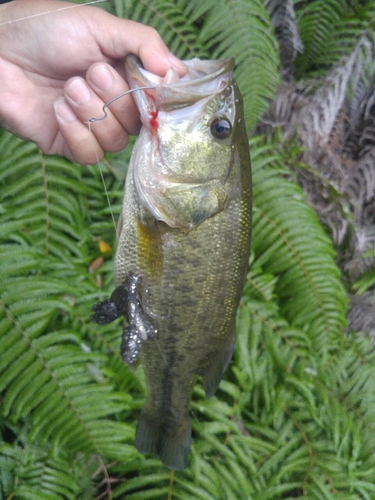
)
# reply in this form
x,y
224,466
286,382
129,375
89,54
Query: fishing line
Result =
x,y
51,11
98,163
100,118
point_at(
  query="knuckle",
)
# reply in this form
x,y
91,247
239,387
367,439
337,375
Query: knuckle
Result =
x,y
118,143
86,155
154,37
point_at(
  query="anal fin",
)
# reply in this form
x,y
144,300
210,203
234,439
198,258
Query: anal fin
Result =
x,y
213,374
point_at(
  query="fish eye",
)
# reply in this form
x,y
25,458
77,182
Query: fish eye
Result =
x,y
220,127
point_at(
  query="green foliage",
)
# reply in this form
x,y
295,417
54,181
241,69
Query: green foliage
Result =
x,y
330,29
250,39
294,414
297,396
365,282
308,272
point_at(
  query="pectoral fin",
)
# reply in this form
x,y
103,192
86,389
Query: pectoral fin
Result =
x,y
150,251
213,374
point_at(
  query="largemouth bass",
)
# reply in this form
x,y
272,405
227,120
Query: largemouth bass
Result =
x,y
183,244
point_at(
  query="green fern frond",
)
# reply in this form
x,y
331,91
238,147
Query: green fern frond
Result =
x,y
330,31
33,472
47,378
261,283
62,393
36,189
249,38
318,22
291,244
169,19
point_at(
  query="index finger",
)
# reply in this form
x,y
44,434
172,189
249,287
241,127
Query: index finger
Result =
x,y
119,37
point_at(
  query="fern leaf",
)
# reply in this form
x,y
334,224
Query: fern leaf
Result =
x,y
168,18
249,38
283,17
317,297
317,20
41,475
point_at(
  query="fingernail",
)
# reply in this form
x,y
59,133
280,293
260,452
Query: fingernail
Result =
x,y
176,63
78,92
63,110
101,77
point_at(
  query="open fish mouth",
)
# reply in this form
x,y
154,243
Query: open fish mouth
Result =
x,y
184,118
203,79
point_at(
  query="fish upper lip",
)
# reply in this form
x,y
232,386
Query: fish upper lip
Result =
x,y
217,75
133,65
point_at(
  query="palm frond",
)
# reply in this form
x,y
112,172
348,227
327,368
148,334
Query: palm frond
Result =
x,y
283,17
333,120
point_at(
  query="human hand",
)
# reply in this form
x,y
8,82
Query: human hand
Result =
x,y
58,69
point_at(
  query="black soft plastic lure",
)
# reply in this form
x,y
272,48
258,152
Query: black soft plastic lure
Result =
x,y
128,300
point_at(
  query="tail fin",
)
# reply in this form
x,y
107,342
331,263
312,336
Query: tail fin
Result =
x,y
170,441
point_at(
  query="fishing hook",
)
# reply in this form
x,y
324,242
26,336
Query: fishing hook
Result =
x,y
99,118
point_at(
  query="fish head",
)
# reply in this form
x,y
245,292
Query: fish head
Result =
x,y
184,159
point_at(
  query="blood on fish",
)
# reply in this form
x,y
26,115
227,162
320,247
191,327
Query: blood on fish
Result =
x,y
154,124
154,120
